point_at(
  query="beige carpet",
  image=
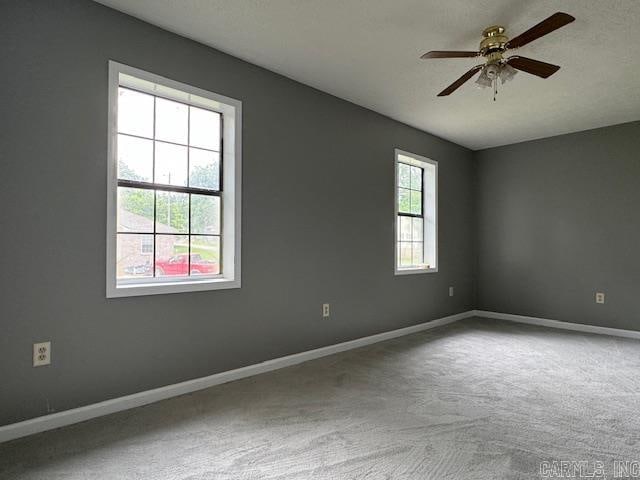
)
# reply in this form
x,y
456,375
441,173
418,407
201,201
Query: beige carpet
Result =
x,y
478,399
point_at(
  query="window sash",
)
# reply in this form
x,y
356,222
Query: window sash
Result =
x,y
400,214
400,241
186,145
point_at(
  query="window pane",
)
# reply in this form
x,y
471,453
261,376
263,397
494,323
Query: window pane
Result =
x,y
205,255
416,202
172,212
417,230
405,254
405,228
404,175
135,158
135,210
205,214
417,253
404,202
135,113
172,257
416,178
172,121
204,129
171,164
204,169
134,258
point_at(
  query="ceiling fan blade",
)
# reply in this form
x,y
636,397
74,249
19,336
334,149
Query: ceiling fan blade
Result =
x,y
458,83
534,67
552,23
447,54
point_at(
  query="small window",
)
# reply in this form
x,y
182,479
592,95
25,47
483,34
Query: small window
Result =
x,y
174,186
146,244
416,228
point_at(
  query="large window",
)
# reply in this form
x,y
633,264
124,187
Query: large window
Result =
x,y
415,213
174,186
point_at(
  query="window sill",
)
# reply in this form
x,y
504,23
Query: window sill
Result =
x,y
414,270
160,288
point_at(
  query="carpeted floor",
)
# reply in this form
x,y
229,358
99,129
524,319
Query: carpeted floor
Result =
x,y
477,399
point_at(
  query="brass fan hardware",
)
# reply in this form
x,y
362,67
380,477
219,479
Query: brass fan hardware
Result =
x,y
493,40
494,45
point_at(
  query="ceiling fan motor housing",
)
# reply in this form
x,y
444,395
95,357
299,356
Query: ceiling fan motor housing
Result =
x,y
493,40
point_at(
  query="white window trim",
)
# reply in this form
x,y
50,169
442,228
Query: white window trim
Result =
x,y
232,182
430,214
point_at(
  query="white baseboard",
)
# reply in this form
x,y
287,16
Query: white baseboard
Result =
x,y
545,322
68,417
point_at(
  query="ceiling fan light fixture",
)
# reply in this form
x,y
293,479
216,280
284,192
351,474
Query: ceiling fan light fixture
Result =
x,y
507,72
483,80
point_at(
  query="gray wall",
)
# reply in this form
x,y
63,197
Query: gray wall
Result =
x,y
317,218
558,220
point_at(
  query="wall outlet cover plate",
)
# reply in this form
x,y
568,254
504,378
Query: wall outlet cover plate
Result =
x,y
41,354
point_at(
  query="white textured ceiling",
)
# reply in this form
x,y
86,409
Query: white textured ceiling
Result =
x,y
367,52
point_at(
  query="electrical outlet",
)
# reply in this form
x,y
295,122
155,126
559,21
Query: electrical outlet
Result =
x,y
599,297
325,310
41,354
451,291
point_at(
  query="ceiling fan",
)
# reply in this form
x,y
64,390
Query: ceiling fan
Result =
x,y
493,46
